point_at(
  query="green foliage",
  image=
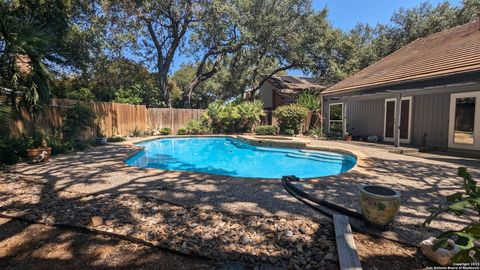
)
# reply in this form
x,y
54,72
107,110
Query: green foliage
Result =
x,y
352,51
250,113
181,131
165,131
34,139
84,94
290,117
289,132
266,130
11,149
77,119
310,100
25,44
58,145
136,132
116,139
461,204
194,127
232,118
223,118
129,95
5,120
316,132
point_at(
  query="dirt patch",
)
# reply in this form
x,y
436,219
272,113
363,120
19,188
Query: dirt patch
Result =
x,y
26,246
379,253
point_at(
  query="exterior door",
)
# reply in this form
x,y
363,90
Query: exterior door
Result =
x,y
464,122
405,119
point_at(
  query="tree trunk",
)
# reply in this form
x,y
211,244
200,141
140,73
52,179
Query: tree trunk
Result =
x,y
189,91
163,83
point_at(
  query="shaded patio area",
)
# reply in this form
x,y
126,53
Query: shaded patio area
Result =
x,y
423,180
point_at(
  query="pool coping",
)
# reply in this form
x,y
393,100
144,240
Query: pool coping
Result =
x,y
360,158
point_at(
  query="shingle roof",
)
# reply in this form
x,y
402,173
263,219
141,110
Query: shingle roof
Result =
x,y
453,51
295,83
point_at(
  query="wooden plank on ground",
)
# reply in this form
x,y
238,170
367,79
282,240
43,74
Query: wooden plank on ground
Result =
x,y
347,251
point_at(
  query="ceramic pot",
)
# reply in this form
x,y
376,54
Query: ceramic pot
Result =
x,y
101,140
33,152
379,204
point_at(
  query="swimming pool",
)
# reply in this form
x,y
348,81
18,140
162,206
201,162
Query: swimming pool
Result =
x,y
232,157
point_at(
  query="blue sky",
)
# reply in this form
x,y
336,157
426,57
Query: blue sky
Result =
x,y
345,14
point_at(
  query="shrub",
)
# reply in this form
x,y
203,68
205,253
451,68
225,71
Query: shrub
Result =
x,y
5,120
266,130
165,131
11,149
194,127
116,139
290,117
223,118
136,132
77,119
316,132
466,238
310,100
232,118
250,113
82,145
289,131
181,131
34,139
58,145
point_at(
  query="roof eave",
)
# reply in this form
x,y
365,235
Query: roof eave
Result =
x,y
407,80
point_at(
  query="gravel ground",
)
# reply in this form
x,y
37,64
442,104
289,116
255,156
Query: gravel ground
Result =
x,y
37,247
275,241
422,179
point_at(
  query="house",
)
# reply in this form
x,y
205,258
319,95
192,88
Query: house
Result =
x,y
283,90
425,94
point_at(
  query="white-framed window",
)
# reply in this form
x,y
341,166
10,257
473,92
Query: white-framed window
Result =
x,y
335,118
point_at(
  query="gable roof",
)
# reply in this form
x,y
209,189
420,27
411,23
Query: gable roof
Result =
x,y
453,51
295,83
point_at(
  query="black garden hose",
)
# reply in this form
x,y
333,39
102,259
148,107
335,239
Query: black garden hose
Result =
x,y
291,188
314,203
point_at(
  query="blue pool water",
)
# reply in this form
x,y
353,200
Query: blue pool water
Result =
x,y
227,156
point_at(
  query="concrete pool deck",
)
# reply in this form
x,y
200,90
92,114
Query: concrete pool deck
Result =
x,y
422,179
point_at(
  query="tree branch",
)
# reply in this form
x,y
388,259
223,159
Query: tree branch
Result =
x,y
275,71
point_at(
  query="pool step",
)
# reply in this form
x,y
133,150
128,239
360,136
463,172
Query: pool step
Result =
x,y
326,160
317,152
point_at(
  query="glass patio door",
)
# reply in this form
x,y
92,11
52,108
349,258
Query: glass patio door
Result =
x,y
404,118
464,124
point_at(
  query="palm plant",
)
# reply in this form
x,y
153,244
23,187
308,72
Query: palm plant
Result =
x,y
310,100
5,120
251,113
23,47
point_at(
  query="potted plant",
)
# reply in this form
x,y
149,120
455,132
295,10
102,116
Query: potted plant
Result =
x,y
379,204
101,137
36,144
348,135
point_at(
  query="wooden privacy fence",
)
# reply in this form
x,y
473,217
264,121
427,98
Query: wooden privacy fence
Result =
x,y
173,118
115,119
